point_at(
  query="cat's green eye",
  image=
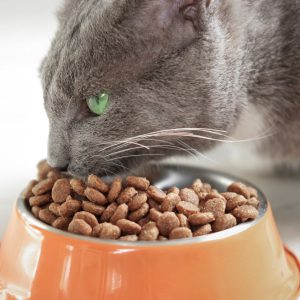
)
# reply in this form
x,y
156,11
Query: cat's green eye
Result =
x,y
98,104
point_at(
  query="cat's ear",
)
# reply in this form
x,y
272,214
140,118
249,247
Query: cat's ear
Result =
x,y
177,11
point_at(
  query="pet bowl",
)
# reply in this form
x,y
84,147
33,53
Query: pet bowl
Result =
x,y
248,261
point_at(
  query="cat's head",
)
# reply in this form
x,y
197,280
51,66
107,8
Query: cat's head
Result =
x,y
164,65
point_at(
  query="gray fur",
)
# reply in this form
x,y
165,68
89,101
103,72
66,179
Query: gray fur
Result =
x,y
164,72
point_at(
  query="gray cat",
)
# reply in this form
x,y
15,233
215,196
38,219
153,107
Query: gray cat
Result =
x,y
126,81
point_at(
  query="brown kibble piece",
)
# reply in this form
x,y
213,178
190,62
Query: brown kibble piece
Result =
x,y
53,207
197,185
109,231
156,194
108,212
154,214
253,202
189,195
239,188
253,192
174,190
201,218
149,232
144,221
137,201
69,208
120,213
224,222
139,213
167,222
79,226
61,190
61,223
180,233
129,238
206,188
42,187
39,200
87,217
245,212
35,211
128,228
115,189
77,186
140,183
183,220
154,204
127,194
97,183
170,201
54,175
95,196
97,229
213,195
205,229
186,208
28,191
93,208
217,206
162,238
47,216
235,202
229,195
43,169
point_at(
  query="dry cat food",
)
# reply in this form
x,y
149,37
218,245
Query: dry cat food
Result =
x,y
136,210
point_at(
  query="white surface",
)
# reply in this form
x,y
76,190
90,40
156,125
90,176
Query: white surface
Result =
x,y
25,31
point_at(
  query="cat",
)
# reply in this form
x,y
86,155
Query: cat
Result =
x,y
178,73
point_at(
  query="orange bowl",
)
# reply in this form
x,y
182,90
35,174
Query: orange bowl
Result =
x,y
248,261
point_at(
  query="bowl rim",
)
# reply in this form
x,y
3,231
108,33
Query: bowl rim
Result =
x,y
30,219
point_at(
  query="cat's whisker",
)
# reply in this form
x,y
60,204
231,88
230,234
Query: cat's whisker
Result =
x,y
136,155
198,153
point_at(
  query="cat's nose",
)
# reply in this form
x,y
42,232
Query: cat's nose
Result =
x,y
58,161
58,153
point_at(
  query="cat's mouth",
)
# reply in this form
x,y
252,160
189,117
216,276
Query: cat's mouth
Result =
x,y
103,170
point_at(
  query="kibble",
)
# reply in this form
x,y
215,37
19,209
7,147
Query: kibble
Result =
x,y
97,183
189,195
79,226
61,190
156,194
180,233
128,227
115,189
77,186
167,222
224,222
201,218
137,201
139,211
120,213
95,196
92,208
87,217
140,183
149,232
245,212
127,195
